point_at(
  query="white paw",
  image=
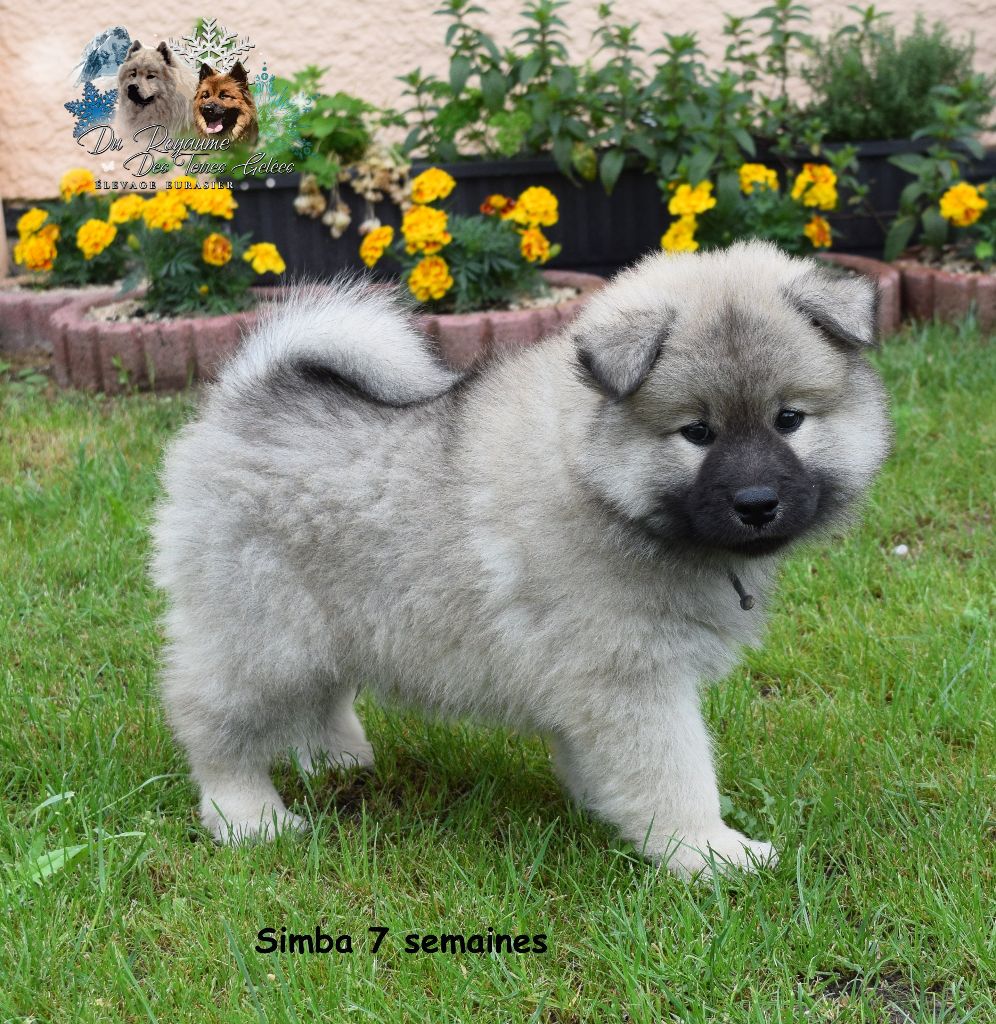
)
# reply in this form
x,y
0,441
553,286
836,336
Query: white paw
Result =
x,y
724,852
359,755
235,831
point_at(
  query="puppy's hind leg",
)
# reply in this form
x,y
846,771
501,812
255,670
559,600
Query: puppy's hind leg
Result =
x,y
240,803
230,741
334,737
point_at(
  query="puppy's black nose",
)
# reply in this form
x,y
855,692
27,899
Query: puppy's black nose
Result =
x,y
756,506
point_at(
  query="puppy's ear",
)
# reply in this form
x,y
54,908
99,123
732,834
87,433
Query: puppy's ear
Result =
x,y
844,306
619,358
238,72
166,53
206,72
136,45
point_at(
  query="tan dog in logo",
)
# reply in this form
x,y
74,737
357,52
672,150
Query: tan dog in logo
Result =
x,y
224,107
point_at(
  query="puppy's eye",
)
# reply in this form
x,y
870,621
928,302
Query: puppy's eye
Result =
x,y
698,433
788,420
150,77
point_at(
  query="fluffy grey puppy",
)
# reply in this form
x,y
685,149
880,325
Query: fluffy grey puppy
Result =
x,y
550,542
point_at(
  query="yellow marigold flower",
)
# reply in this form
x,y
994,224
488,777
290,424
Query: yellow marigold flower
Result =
x,y
816,185
535,207
75,182
424,228
687,201
184,183
754,176
36,252
430,279
680,236
94,237
216,250
374,243
28,223
431,185
126,209
211,202
496,203
166,211
264,257
51,232
535,246
818,232
203,289
962,204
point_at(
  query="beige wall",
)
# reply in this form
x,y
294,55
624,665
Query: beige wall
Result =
x,y
365,45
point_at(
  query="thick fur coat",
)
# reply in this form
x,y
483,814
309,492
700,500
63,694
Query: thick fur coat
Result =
x,y
548,542
154,87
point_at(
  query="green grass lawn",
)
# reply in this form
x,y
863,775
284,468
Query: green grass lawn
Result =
x,y
860,739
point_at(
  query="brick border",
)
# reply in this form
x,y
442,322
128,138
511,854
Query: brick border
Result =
x,y
929,292
889,281
26,313
160,355
465,338
97,355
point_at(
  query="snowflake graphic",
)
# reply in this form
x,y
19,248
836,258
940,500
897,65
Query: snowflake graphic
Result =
x,y
96,107
279,114
211,43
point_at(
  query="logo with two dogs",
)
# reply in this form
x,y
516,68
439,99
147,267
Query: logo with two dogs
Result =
x,y
189,102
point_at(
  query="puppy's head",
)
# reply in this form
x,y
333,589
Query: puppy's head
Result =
x,y
223,106
146,73
736,410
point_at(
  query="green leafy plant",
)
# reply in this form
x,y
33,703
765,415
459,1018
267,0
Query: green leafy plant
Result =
x,y
868,82
670,115
468,263
950,138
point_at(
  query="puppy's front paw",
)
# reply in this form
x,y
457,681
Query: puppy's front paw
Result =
x,y
270,822
725,852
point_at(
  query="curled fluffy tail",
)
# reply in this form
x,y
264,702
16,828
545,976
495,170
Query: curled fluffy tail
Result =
x,y
350,332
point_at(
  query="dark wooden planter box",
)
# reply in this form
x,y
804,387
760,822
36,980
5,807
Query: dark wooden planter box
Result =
x,y
599,233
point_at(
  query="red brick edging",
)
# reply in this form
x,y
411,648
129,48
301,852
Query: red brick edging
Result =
x,y
930,292
26,313
106,355
464,338
888,279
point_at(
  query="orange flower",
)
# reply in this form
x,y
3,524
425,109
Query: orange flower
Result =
x,y
535,246
818,232
216,250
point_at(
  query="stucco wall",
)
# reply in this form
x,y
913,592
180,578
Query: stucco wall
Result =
x,y
365,45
